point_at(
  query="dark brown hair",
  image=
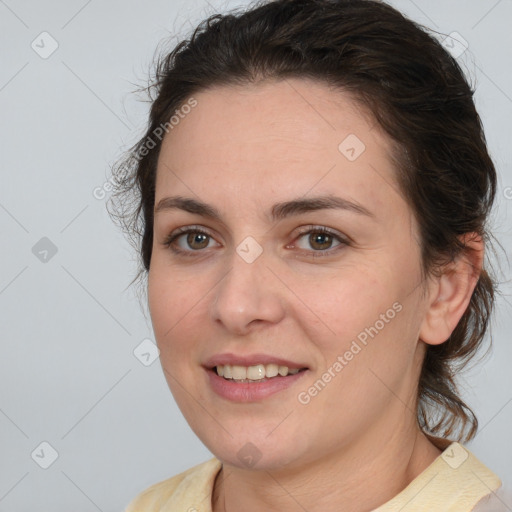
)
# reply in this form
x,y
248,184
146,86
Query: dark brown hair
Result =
x,y
413,88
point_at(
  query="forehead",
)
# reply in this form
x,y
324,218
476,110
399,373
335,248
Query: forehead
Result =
x,y
290,135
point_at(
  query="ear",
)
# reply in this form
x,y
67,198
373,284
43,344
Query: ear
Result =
x,y
450,292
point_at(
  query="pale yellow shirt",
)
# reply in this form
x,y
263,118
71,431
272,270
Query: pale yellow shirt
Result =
x,y
455,482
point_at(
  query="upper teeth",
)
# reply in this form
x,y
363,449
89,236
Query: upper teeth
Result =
x,y
257,372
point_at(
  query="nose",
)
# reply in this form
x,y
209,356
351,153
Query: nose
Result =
x,y
248,297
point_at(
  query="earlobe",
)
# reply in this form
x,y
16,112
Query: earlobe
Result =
x,y
450,291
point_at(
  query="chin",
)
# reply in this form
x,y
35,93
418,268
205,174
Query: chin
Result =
x,y
253,450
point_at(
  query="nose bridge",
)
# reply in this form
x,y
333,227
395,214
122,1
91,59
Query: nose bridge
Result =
x,y
247,292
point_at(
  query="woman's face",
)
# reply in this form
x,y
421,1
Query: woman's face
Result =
x,y
260,170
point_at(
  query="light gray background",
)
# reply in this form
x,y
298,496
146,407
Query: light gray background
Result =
x,y
68,374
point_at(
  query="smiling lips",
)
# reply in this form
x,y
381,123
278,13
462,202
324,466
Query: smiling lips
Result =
x,y
252,368
243,389
254,373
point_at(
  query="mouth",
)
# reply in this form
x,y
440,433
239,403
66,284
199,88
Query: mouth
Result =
x,y
254,373
251,378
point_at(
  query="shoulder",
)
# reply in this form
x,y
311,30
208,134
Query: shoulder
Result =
x,y
461,479
189,489
454,482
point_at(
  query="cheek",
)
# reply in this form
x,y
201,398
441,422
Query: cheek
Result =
x,y
176,309
171,300
365,315
339,305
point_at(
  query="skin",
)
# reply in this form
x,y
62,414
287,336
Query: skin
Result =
x,y
242,149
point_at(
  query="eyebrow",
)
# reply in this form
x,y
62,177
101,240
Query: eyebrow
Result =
x,y
279,211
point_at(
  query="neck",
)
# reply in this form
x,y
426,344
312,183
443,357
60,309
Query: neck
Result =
x,y
357,478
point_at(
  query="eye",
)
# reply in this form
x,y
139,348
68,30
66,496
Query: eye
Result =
x,y
188,240
321,240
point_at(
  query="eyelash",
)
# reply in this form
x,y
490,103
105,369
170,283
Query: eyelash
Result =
x,y
168,242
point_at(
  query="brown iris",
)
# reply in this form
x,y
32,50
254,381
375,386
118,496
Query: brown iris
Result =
x,y
195,237
316,238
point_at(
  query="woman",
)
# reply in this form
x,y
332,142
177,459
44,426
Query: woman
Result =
x,y
312,195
